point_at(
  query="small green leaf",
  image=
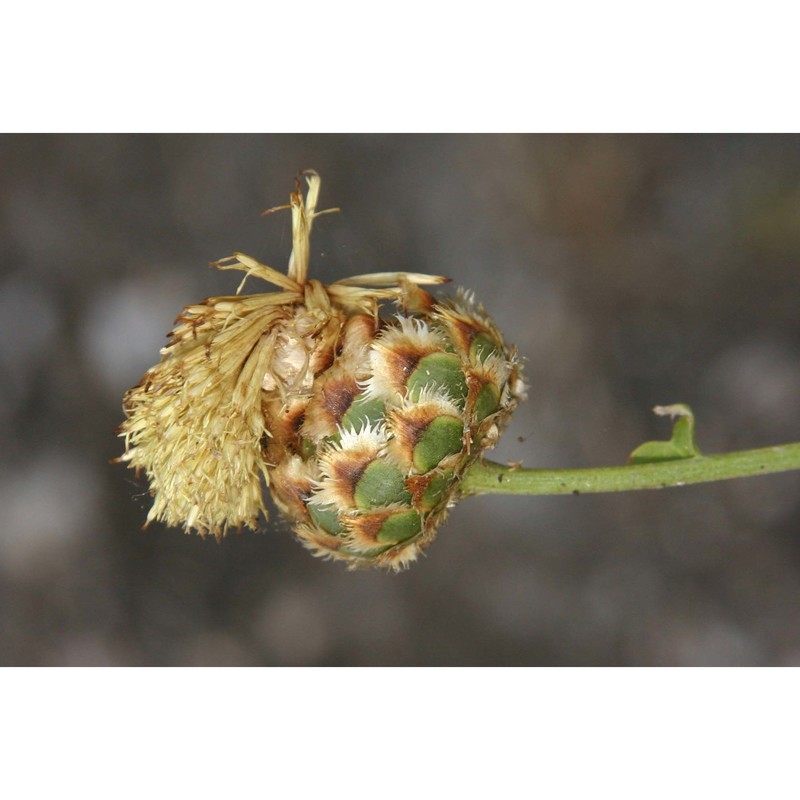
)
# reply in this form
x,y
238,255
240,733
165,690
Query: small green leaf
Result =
x,y
680,446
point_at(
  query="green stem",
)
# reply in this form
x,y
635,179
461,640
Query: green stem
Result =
x,y
490,478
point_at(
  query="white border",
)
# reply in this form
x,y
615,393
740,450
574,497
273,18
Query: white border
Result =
x,y
396,733
432,66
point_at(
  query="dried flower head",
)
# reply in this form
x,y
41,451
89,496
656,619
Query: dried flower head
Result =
x,y
361,425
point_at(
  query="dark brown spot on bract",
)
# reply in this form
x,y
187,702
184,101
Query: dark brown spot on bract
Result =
x,y
348,471
409,427
465,333
284,428
296,493
296,420
324,360
337,396
369,525
417,485
402,361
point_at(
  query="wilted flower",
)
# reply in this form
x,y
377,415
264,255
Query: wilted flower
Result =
x,y
360,424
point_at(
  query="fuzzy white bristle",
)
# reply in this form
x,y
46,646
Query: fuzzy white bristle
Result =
x,y
367,437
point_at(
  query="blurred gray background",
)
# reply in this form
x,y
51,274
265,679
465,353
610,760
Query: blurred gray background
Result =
x,y
630,270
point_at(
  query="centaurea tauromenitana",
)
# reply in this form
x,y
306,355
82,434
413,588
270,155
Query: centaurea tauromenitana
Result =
x,y
361,419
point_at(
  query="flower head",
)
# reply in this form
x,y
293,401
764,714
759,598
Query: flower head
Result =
x,y
360,423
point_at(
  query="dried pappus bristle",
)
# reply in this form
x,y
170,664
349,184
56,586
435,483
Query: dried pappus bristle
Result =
x,y
195,431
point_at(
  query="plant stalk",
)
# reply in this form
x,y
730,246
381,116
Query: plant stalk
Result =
x,y
487,477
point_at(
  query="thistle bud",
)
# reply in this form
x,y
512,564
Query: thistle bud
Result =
x,y
361,422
